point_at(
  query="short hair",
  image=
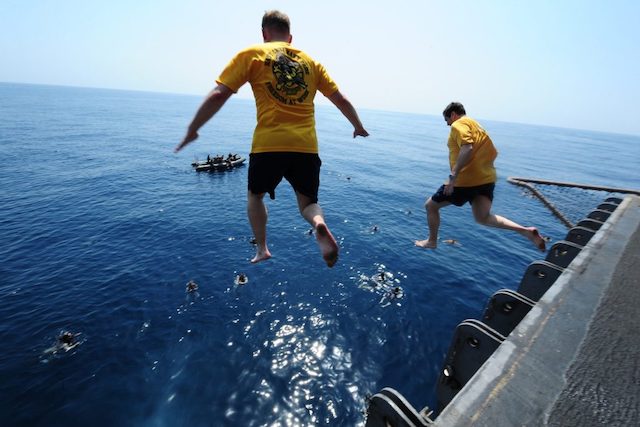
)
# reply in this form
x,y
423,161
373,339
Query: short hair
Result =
x,y
454,107
276,21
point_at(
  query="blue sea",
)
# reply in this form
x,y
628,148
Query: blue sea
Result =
x,y
102,226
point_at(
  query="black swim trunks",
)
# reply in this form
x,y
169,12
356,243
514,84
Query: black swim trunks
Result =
x,y
302,170
462,195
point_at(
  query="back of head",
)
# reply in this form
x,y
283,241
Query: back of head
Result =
x,y
277,22
454,107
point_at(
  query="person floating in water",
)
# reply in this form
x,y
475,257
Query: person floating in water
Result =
x,y
241,279
392,294
192,286
67,338
66,341
472,179
284,80
453,242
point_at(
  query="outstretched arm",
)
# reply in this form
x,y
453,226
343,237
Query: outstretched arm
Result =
x,y
212,103
346,108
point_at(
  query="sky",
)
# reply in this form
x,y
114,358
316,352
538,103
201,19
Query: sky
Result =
x,y
564,63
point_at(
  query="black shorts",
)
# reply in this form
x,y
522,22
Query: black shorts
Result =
x,y
302,170
462,195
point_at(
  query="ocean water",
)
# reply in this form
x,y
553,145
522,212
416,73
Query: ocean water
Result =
x,y
102,226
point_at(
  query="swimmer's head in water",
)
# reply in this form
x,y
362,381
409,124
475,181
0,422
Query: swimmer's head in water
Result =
x,y
241,279
192,286
67,338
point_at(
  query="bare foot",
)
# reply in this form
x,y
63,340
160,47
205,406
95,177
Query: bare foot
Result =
x,y
328,245
533,234
261,255
427,244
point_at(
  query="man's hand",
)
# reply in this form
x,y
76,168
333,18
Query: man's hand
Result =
x,y
360,132
448,187
188,138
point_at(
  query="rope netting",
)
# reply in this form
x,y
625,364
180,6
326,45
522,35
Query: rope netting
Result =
x,y
569,202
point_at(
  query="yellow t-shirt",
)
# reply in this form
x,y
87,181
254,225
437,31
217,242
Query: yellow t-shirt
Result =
x,y
480,169
284,81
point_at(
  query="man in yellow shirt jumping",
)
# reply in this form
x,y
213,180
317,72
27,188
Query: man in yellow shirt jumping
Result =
x,y
284,81
472,179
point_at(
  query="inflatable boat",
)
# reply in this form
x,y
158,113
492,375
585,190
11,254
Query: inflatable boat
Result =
x,y
213,164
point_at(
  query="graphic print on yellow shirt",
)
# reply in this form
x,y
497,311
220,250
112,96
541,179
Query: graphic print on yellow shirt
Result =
x,y
290,87
480,169
284,81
